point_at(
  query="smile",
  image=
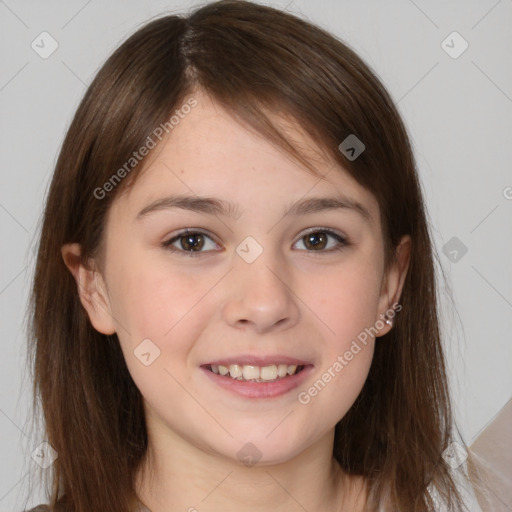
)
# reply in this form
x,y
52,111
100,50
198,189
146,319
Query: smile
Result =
x,y
258,377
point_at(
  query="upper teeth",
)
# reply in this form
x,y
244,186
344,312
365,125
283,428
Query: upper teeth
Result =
x,y
250,372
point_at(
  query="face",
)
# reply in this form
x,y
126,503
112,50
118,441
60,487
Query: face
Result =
x,y
228,256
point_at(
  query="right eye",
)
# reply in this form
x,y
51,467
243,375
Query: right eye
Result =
x,y
189,242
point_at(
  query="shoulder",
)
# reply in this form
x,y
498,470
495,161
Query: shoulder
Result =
x,y
40,508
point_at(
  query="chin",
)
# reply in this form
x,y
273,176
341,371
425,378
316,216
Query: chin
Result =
x,y
260,450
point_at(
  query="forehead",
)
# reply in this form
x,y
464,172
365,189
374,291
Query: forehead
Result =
x,y
210,153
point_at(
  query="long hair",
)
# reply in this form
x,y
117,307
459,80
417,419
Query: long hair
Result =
x,y
254,61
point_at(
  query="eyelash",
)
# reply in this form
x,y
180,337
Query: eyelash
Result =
x,y
168,243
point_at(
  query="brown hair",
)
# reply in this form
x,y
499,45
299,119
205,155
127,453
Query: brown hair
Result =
x,y
253,60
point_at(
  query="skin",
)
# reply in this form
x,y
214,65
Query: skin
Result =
x,y
293,299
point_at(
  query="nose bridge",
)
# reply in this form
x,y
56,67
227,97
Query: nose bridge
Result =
x,y
258,293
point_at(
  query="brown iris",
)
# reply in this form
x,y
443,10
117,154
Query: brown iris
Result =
x,y
192,242
315,240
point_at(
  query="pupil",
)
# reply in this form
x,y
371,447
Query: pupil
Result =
x,y
316,240
192,242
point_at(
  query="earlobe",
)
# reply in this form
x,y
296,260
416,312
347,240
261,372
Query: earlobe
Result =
x,y
393,285
91,289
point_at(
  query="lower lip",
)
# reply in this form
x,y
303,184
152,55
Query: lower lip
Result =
x,y
260,389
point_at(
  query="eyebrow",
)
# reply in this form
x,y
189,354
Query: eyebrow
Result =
x,y
213,206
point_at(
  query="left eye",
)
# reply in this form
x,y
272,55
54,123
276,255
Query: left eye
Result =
x,y
317,240
192,243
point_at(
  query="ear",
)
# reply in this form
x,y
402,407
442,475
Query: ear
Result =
x,y
392,284
91,290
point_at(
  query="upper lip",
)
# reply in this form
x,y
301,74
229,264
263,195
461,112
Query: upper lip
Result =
x,y
254,360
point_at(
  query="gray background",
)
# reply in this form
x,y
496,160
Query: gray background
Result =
x,y
458,112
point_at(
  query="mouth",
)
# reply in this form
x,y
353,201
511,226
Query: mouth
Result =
x,y
263,378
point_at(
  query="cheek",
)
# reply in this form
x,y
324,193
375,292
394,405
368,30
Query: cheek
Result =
x,y
157,302
346,300
337,385
341,373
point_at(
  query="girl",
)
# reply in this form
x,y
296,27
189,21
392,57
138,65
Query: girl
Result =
x,y
234,302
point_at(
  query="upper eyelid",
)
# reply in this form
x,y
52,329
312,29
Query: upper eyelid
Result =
x,y
194,231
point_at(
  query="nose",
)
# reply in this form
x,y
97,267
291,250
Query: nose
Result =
x,y
259,295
